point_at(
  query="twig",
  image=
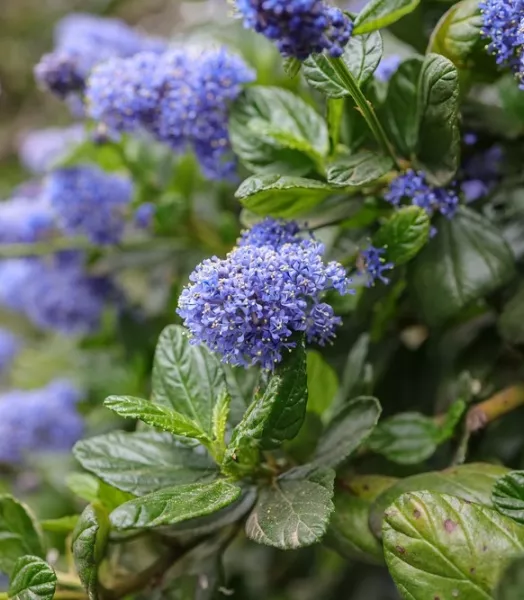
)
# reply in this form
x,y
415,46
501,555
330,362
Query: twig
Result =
x,y
497,406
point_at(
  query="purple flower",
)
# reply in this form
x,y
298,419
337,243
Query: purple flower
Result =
x,y
372,264
271,232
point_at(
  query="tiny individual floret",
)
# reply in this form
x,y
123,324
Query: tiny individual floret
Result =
x,y
10,345
412,186
39,420
89,201
387,67
25,220
502,24
298,27
248,306
41,149
371,262
271,232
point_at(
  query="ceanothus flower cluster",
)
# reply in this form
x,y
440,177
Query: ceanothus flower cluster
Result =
x,y
249,306
298,27
371,262
89,201
25,220
503,25
180,97
83,41
40,420
412,186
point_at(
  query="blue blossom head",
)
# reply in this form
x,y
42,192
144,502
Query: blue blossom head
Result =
x,y
62,73
249,306
40,420
412,186
41,149
298,27
89,201
271,232
372,263
10,345
502,24
387,67
25,220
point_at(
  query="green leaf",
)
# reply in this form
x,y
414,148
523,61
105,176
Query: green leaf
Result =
x,y
89,543
347,431
457,34
291,66
322,383
472,482
353,374
141,463
376,14
60,525
399,111
508,495
273,131
241,385
186,378
361,56
294,511
220,416
32,579
467,260
359,169
110,497
83,485
511,320
349,532
156,415
406,438
438,145
174,505
437,545
511,582
274,416
404,234
19,533
282,195
334,115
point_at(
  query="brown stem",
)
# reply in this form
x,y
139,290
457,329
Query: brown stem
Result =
x,y
497,406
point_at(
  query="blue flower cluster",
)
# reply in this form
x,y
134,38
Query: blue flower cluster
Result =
x,y
180,97
41,149
83,41
298,27
25,220
480,172
412,186
89,201
502,24
371,262
271,232
387,67
248,306
54,293
41,420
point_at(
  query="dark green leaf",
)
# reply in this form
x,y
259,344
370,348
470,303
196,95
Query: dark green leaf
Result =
x,y
156,415
359,169
294,511
322,383
186,378
141,463
282,195
404,234
349,531
274,416
439,546
457,34
174,505
472,482
510,96
511,582
19,533
376,14
508,495
408,438
399,110
353,375
272,130
32,579
438,146
334,115
241,384
291,66
347,431
88,545
60,525
361,56
465,261
511,320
